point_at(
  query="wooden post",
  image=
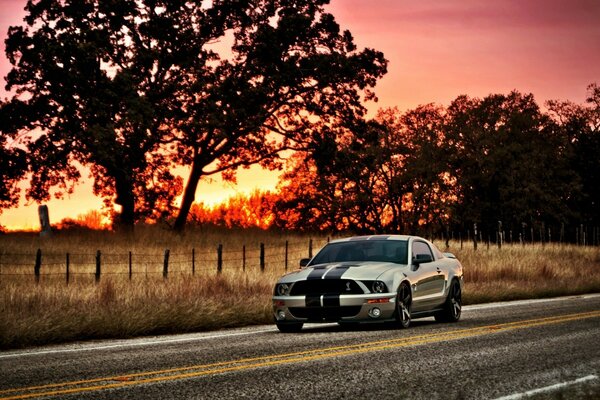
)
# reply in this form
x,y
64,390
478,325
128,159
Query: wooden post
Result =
x,y
46,229
475,236
166,264
67,272
286,254
98,266
193,261
219,259
130,266
38,265
310,248
262,257
244,258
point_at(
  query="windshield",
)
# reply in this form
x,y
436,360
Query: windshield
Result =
x,y
395,251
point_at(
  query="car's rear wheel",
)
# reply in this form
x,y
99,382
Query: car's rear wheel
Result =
x,y
403,304
290,327
453,305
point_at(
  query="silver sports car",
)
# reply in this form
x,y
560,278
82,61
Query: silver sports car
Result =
x,y
369,279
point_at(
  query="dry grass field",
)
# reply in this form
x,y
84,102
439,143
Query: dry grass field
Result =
x,y
52,311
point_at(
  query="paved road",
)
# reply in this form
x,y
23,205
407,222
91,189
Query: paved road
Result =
x,y
496,350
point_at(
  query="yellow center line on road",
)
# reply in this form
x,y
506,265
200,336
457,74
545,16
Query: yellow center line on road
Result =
x,y
172,374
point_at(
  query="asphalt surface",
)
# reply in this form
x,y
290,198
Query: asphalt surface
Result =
x,y
496,350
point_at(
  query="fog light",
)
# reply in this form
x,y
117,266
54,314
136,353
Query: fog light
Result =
x,y
375,312
280,315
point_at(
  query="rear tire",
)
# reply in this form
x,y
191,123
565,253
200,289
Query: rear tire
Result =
x,y
453,305
290,327
403,304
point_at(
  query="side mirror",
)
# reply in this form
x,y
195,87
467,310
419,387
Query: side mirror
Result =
x,y
304,262
422,259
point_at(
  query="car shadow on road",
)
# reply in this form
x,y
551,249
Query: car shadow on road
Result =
x,y
363,327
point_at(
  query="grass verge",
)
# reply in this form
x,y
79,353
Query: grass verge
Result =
x,y
53,312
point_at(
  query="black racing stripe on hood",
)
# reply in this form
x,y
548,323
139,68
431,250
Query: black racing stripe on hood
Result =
x,y
337,272
317,273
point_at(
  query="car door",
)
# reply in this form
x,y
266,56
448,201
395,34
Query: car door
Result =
x,y
428,280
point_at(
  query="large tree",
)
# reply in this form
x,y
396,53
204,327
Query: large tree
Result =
x,y
290,74
509,162
132,88
580,128
387,175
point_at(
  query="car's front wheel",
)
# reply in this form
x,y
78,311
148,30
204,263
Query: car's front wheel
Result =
x,y
453,305
289,327
403,303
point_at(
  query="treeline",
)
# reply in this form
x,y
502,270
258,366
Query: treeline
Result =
x,y
500,160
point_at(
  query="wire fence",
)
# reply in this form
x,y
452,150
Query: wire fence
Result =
x,y
263,258
277,257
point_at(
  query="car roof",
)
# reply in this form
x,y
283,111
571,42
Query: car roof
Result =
x,y
374,237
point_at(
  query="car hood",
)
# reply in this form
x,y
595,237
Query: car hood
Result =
x,y
364,270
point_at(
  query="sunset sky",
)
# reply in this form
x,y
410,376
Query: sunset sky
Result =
x,y
436,49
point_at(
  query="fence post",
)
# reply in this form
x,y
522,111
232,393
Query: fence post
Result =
x,y
262,257
98,265
38,265
532,237
130,266
310,248
67,272
244,258
193,261
219,259
475,236
286,254
166,264
499,234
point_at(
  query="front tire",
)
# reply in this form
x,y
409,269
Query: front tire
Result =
x,y
403,304
453,305
290,327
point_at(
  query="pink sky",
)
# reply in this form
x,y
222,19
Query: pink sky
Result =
x,y
437,50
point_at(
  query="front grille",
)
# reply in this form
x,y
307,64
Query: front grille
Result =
x,y
319,314
325,286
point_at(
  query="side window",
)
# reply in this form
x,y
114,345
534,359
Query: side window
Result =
x,y
421,248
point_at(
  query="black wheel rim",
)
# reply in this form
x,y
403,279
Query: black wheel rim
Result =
x,y
455,301
404,305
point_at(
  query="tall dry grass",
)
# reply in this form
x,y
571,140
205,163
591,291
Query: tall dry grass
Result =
x,y
52,311
531,271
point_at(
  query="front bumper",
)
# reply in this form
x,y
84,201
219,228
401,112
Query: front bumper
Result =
x,y
335,308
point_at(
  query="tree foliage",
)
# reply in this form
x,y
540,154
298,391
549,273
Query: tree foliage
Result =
x,y
133,88
480,161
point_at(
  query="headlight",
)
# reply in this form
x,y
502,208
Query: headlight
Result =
x,y
378,287
282,289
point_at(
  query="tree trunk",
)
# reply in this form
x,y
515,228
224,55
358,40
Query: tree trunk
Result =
x,y
126,200
189,196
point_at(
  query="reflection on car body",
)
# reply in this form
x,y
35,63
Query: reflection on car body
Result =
x,y
370,279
